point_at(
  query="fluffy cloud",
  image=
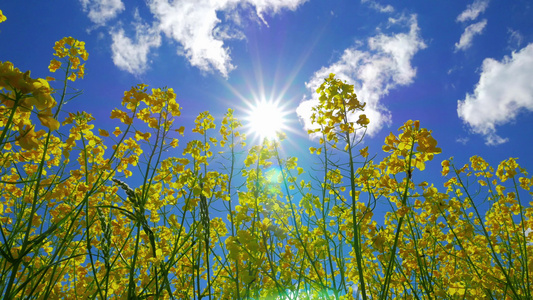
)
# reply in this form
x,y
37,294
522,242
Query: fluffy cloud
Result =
x,y
101,11
465,41
192,24
386,65
132,55
504,89
195,25
473,10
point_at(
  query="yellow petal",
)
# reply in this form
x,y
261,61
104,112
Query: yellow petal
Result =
x,y
2,17
48,120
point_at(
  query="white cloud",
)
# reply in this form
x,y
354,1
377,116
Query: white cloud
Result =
x,y
385,66
515,37
379,7
101,11
462,140
473,10
195,25
504,89
132,56
271,6
192,24
465,41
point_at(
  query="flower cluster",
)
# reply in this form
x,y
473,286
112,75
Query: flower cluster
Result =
x,y
22,94
72,50
338,105
135,214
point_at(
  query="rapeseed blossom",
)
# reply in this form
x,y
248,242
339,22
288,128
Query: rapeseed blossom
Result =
x,y
134,213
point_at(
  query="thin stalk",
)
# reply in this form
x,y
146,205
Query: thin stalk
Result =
x,y
7,126
523,244
131,284
356,238
385,286
298,235
237,284
63,93
493,251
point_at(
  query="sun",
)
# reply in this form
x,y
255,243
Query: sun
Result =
x,y
266,119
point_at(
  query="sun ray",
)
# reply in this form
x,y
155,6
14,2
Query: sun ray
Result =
x,y
264,105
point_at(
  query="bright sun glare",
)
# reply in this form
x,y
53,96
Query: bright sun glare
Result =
x,y
266,119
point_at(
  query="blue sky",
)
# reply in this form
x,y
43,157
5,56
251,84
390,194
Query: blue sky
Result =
x,y
463,68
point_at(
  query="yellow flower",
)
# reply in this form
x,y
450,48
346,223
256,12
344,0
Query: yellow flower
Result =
x,y
445,167
144,136
69,40
81,71
300,170
75,61
74,50
12,78
2,17
54,65
47,119
103,132
174,143
363,120
41,95
180,130
27,139
84,55
72,77
525,183
117,131
364,152
457,288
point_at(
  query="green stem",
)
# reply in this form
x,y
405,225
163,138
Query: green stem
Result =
x,y
388,274
7,126
486,234
63,93
131,284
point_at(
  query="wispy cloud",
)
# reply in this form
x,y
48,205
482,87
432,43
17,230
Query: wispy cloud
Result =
x,y
101,11
515,38
200,28
473,10
270,6
467,37
504,89
386,65
379,7
462,140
